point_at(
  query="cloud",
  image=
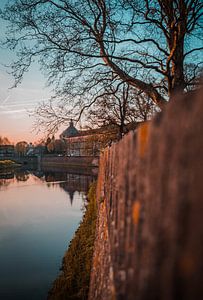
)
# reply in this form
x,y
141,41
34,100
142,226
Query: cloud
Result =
x,y
5,100
16,105
5,112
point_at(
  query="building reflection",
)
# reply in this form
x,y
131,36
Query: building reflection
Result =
x,y
69,182
4,182
9,176
6,174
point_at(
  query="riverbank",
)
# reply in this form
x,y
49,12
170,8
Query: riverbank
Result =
x,y
70,161
73,282
5,164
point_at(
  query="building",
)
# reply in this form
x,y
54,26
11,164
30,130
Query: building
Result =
x,y
35,150
7,151
87,142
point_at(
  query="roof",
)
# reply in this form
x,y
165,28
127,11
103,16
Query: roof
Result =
x,y
70,131
100,130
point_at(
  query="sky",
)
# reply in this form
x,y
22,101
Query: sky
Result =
x,y
16,103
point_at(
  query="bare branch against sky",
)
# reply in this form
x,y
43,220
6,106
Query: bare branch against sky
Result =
x,y
85,45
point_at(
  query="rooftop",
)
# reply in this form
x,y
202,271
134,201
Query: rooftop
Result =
x,y
71,131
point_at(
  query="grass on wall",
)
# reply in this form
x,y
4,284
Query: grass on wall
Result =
x,y
73,282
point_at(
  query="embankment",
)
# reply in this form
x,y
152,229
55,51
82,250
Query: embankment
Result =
x,y
75,164
68,161
149,239
7,164
73,282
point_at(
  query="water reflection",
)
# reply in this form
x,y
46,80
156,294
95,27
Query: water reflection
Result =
x,y
36,224
21,175
6,177
69,182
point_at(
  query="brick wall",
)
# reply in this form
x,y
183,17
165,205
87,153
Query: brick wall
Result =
x,y
149,242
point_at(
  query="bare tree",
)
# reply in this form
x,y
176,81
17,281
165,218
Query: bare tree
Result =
x,y
192,72
50,115
83,43
121,106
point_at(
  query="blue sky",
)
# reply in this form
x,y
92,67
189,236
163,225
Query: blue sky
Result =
x,y
15,122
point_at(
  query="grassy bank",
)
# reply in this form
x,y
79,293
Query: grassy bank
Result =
x,y
8,164
73,282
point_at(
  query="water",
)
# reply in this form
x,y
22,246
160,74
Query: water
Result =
x,y
39,213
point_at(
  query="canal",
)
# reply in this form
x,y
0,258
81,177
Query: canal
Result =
x,y
39,213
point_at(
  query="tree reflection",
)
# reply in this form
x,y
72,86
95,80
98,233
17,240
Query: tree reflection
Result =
x,y
4,183
22,176
6,178
69,182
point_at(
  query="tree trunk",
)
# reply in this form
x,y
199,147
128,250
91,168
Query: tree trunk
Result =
x,y
178,82
147,88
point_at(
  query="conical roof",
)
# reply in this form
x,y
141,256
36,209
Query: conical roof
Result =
x,y
70,131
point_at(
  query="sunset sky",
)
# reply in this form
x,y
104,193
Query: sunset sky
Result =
x,y
16,103
15,122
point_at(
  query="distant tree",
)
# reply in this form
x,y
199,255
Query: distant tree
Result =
x,y
83,43
59,146
51,144
21,148
48,141
191,71
22,176
4,141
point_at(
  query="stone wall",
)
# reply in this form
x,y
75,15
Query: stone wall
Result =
x,y
149,242
68,161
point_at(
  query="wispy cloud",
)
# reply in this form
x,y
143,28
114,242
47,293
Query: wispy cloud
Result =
x,y
16,105
23,102
10,112
9,109
19,107
5,100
